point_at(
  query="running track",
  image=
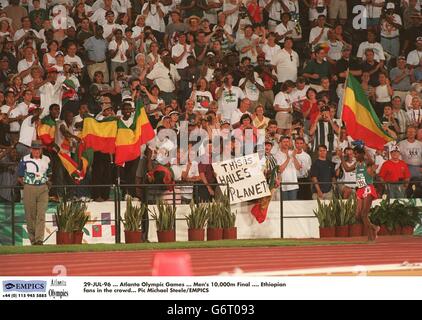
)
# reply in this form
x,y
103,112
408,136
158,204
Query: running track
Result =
x,y
387,250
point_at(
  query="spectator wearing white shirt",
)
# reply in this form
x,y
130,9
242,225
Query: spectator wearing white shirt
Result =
x,y
390,26
415,113
153,10
305,161
73,59
25,65
289,166
28,130
319,33
374,11
118,52
286,62
228,97
49,58
99,15
164,74
50,91
239,112
181,51
283,107
125,8
249,44
115,4
110,26
411,151
201,96
274,10
415,57
14,114
298,95
251,86
336,47
371,44
286,28
383,93
26,104
270,48
26,31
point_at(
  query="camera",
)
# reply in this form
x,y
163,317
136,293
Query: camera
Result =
x,y
138,87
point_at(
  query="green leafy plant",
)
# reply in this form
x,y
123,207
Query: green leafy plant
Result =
x,y
64,216
397,213
325,214
198,216
165,218
228,218
336,212
71,215
80,216
215,215
134,215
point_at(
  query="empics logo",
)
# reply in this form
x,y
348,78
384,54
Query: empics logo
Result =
x,y
24,286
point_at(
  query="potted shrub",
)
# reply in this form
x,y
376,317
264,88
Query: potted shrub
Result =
x,y
228,219
133,220
342,218
411,216
196,221
378,216
215,228
165,221
355,224
65,224
80,218
326,220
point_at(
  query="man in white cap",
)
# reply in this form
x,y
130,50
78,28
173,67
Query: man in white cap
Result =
x,y
393,171
34,173
414,57
390,31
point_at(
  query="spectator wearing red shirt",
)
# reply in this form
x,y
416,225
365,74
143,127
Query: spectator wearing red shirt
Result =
x,y
310,108
395,170
255,12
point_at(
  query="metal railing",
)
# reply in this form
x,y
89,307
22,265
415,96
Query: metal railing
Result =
x,y
151,189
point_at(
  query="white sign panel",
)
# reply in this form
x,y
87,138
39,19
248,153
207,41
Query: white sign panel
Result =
x,y
244,177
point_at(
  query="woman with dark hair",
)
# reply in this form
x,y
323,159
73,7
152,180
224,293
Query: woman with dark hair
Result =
x,y
49,58
310,108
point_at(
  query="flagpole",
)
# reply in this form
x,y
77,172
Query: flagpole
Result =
x,y
344,94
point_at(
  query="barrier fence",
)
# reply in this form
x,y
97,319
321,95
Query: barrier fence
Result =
x,y
151,193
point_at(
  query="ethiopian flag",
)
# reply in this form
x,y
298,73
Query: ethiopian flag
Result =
x,y
46,131
77,164
361,121
100,135
129,140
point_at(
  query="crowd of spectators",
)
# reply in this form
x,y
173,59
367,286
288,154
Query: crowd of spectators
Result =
x,y
276,68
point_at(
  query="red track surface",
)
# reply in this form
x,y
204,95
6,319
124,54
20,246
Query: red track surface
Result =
x,y
387,250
